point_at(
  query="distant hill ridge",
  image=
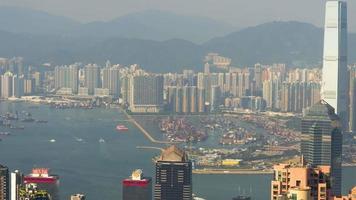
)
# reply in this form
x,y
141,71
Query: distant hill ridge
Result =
x,y
294,43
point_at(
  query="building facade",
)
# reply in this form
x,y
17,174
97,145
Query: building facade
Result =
x,y
321,141
335,82
4,183
173,176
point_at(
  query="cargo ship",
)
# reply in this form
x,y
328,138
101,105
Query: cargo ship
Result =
x,y
121,128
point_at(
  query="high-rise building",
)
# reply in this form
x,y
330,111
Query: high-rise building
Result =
x,y
321,141
137,187
77,197
201,100
92,78
173,175
185,99
29,86
146,93
352,109
193,99
300,182
44,181
335,82
111,80
215,101
4,183
17,86
6,85
16,184
67,77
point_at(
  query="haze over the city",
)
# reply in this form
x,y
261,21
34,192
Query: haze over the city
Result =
x,y
238,13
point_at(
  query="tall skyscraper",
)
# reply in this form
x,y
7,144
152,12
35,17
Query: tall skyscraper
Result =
x,y
4,183
137,187
16,184
321,141
335,79
173,175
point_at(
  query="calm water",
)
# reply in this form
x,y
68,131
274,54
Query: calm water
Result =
x,y
87,166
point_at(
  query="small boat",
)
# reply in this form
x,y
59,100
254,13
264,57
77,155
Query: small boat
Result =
x,y
121,128
41,121
101,140
53,140
4,133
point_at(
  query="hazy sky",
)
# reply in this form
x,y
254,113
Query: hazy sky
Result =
x,y
240,13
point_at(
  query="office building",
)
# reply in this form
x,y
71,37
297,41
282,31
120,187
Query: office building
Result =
x,y
4,183
335,82
137,187
173,175
321,141
16,184
44,181
77,197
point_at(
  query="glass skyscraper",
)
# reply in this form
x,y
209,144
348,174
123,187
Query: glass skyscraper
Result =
x,y
321,143
335,79
173,176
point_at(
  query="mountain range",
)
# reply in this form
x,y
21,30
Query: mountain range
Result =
x,y
159,41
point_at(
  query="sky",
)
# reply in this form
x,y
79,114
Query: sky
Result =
x,y
240,13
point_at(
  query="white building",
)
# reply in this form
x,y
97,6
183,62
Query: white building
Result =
x,y
335,82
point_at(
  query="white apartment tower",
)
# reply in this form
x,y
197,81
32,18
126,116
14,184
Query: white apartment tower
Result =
x,y
335,79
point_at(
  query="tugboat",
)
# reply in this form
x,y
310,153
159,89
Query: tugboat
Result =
x,y
121,128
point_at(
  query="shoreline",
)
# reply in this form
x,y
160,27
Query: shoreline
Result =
x,y
231,171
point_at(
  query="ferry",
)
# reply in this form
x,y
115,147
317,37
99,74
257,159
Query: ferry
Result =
x,y
121,128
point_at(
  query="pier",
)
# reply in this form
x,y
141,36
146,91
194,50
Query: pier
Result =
x,y
147,147
144,131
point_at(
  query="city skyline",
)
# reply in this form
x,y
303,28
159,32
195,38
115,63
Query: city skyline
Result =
x,y
213,130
